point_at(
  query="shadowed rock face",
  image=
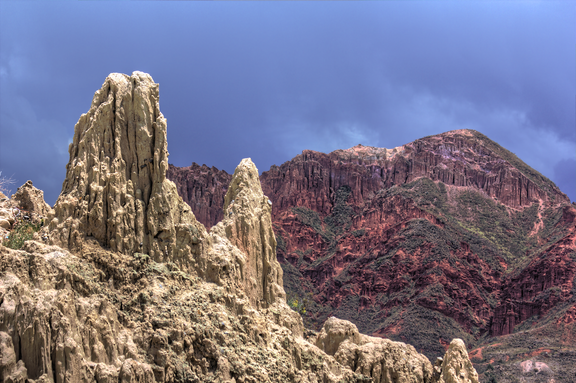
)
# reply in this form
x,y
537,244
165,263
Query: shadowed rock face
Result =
x,y
203,188
546,282
31,199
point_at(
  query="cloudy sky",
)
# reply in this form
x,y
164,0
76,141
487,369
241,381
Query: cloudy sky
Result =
x,y
268,79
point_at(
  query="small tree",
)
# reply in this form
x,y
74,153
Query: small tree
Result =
x,y
4,182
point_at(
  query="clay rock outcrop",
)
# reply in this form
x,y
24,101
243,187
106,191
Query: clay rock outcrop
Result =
x,y
116,189
385,361
248,226
456,366
334,332
29,198
7,216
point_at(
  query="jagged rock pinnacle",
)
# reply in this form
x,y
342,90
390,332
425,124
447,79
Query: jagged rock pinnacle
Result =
x,y
116,189
248,225
456,366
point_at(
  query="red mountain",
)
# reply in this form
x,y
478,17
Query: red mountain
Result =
x,y
447,236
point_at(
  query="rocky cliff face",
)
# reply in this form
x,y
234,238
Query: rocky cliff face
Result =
x,y
546,282
461,158
450,229
203,188
96,305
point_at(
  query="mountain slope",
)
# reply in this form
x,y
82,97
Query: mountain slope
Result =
x,y
448,236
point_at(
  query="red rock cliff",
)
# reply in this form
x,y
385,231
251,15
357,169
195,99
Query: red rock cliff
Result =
x,y
451,233
203,188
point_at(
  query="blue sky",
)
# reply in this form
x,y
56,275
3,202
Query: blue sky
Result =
x,y
268,79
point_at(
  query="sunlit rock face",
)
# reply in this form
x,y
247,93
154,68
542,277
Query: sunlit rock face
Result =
x,y
116,189
456,366
248,225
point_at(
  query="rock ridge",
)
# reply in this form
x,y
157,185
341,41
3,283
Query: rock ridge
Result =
x,y
184,304
450,229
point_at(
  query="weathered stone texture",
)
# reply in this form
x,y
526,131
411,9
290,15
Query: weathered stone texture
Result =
x,y
133,288
29,198
116,189
456,366
248,225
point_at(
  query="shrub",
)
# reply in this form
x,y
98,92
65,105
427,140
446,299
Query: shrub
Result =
x,y
22,232
297,304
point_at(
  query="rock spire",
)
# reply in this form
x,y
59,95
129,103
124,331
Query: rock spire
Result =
x,y
247,224
456,366
116,189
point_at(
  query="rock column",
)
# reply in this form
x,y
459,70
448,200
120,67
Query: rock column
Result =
x,y
116,189
248,226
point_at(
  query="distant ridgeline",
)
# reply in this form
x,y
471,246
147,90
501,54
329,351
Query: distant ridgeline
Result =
x,y
448,236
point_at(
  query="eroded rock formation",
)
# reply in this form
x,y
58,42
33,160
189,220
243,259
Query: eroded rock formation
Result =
x,y
383,360
181,305
456,366
450,229
248,225
548,281
31,199
116,189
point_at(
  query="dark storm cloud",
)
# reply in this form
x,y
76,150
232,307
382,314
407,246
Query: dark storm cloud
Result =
x,y
267,80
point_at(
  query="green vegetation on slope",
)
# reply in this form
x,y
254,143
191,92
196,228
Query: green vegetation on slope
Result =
x,y
491,230
22,232
334,225
496,234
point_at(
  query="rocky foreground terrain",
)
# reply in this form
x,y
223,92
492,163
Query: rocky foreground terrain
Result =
x,y
120,282
450,236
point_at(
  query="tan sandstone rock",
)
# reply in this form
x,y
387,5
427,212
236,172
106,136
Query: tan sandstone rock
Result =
x,y
456,366
31,199
116,189
382,360
244,250
7,356
248,225
334,332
